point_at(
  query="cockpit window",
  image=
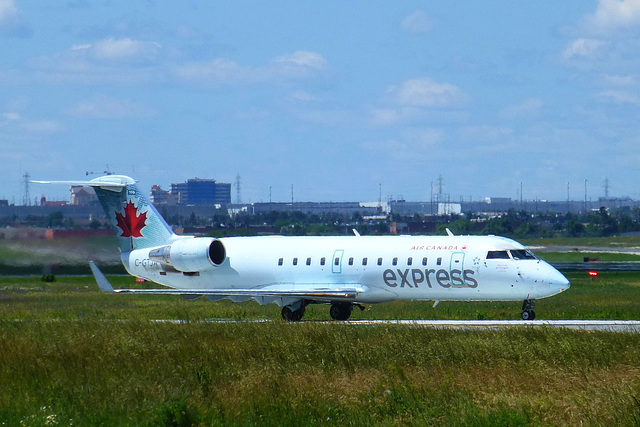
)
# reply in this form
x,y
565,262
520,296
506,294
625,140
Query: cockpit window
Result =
x,y
519,254
497,255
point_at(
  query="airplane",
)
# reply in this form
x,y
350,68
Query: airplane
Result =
x,y
293,272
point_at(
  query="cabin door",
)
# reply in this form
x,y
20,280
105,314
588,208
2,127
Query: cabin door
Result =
x,y
336,261
456,269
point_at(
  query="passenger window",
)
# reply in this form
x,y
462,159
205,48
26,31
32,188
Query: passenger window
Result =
x,y
323,260
351,261
364,261
308,261
497,255
439,262
280,261
379,261
295,261
336,261
409,261
395,261
424,261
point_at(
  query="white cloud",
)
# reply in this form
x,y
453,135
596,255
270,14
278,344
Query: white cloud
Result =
x,y
427,93
11,21
124,49
7,118
336,117
385,116
33,126
310,60
186,32
8,10
412,145
417,22
302,96
418,139
296,65
488,133
618,97
394,116
524,109
619,81
611,16
105,107
119,60
299,64
584,48
107,60
42,126
216,71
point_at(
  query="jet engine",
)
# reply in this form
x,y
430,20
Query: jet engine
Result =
x,y
190,255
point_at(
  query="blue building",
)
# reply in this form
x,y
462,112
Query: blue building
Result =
x,y
202,192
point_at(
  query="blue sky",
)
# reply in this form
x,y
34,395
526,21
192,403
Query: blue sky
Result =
x,y
337,98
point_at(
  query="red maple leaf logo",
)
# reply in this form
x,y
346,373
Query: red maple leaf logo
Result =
x,y
131,223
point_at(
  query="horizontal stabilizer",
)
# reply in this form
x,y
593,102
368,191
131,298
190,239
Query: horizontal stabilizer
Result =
x,y
103,283
110,182
81,183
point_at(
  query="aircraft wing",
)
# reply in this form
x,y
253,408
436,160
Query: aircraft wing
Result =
x,y
278,290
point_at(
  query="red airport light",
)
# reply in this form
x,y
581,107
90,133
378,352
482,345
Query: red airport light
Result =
x,y
593,273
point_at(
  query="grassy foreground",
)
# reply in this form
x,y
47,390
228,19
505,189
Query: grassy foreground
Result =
x,y
137,372
70,355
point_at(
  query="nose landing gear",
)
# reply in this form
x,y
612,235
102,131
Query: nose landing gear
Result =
x,y
342,310
527,310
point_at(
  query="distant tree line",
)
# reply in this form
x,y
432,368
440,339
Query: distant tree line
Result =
x,y
516,224
522,224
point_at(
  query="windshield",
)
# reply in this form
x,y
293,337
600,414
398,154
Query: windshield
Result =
x,y
519,254
497,255
516,254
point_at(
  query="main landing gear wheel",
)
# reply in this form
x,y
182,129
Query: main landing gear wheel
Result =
x,y
340,311
527,310
528,315
292,315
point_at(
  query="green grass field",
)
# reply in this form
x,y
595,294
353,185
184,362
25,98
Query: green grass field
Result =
x,y
613,295
72,355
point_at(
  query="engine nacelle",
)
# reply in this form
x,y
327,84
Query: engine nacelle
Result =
x,y
190,255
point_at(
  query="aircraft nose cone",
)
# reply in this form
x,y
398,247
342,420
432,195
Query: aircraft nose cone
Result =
x,y
558,282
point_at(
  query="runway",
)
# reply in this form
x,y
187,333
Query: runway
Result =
x,y
585,325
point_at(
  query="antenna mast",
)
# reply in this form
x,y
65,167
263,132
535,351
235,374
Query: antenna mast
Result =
x,y
237,185
26,201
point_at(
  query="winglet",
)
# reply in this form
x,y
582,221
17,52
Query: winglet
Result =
x,y
449,233
103,283
355,232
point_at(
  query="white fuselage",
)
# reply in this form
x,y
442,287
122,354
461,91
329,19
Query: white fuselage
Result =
x,y
384,268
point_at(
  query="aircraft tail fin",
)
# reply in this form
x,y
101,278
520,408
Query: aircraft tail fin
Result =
x,y
135,221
